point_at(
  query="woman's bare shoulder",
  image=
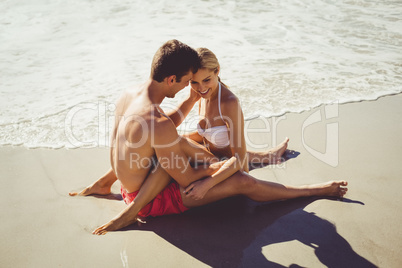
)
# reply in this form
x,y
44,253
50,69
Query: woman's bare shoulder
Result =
x,y
229,100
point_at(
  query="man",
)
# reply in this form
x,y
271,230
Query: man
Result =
x,y
142,130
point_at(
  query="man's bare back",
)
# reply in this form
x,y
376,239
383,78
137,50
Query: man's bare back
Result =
x,y
131,153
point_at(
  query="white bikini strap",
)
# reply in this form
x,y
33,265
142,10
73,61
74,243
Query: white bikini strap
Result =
x,y
219,100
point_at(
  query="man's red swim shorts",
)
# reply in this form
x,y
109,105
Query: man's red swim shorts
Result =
x,y
166,202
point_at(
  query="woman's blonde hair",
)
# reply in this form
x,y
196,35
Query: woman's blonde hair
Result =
x,y
209,61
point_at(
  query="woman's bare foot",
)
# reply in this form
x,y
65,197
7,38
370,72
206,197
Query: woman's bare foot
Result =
x,y
331,188
275,155
279,150
95,188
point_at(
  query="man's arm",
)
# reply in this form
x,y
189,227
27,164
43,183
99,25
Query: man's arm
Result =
x,y
172,158
178,115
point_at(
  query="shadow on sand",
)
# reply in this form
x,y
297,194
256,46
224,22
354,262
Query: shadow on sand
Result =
x,y
232,232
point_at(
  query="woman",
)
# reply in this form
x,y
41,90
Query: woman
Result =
x,y
221,128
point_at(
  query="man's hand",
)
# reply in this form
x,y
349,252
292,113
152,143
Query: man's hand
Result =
x,y
198,189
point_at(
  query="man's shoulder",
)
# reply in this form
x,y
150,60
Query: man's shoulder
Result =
x,y
134,103
128,93
164,130
162,121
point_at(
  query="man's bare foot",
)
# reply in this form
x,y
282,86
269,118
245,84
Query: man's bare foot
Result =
x,y
115,224
331,188
275,154
108,227
95,188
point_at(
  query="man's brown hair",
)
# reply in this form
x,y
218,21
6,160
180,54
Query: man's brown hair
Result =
x,y
174,58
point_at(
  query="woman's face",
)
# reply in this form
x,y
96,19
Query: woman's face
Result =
x,y
205,82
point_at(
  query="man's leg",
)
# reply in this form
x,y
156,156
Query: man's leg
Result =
x,y
262,191
193,150
101,186
156,181
158,178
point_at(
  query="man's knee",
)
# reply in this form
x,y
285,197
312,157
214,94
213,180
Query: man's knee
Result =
x,y
184,141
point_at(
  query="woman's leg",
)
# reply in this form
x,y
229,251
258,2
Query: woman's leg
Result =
x,y
196,152
272,156
262,191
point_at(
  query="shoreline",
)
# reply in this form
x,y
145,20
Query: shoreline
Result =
x,y
355,141
247,119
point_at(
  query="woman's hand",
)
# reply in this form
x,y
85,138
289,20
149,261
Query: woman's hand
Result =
x,y
194,95
198,189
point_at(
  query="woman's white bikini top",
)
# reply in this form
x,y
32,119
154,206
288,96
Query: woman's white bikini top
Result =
x,y
219,135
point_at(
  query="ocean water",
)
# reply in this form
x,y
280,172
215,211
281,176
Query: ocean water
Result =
x,y
64,63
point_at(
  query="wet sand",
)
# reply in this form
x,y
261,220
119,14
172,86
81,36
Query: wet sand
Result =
x,y
41,226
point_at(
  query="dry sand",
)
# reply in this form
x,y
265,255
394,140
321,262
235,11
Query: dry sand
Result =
x,y
41,226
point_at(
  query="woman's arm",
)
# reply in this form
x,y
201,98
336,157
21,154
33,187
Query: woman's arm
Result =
x,y
233,116
182,111
194,136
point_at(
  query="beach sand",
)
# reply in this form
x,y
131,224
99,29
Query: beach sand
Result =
x,y
41,226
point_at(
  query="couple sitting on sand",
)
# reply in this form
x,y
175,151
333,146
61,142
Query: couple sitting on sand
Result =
x,y
159,171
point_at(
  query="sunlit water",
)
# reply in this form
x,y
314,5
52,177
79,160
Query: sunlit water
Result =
x,y
64,63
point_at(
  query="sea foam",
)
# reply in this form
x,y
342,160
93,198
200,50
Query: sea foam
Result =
x,y
64,63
